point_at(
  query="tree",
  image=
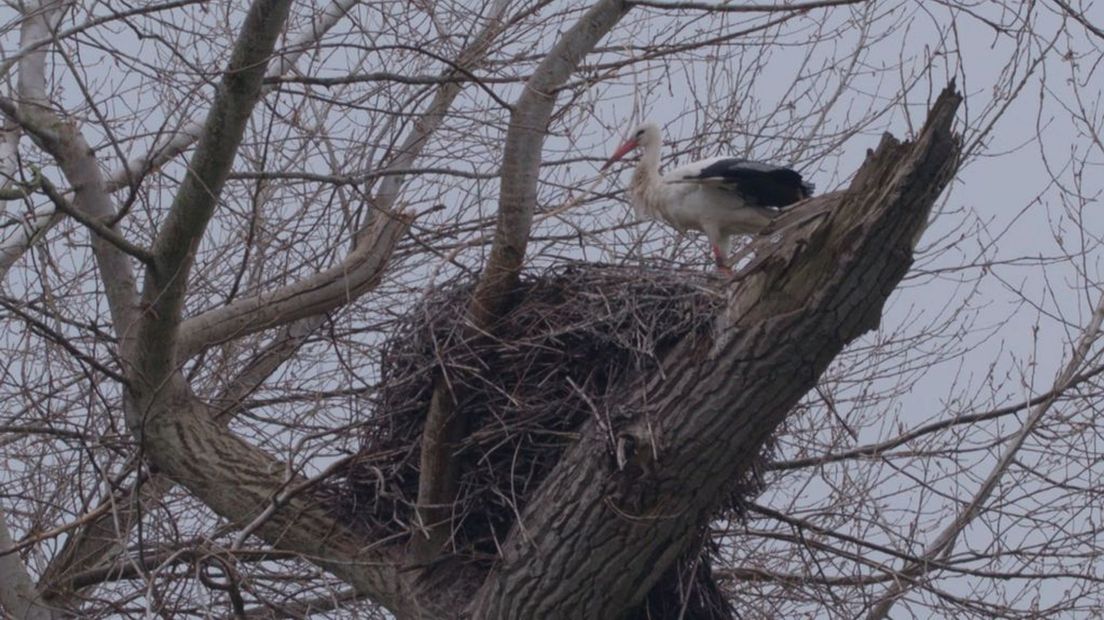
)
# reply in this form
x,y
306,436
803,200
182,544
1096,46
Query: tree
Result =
x,y
219,220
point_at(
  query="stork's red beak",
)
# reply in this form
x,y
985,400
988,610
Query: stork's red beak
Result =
x,y
620,152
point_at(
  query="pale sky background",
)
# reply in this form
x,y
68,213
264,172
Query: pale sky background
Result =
x,y
1020,312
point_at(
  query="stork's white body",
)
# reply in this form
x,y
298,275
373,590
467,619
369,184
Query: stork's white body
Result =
x,y
720,196
702,205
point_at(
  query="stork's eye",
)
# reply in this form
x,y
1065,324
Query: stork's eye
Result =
x,y
639,132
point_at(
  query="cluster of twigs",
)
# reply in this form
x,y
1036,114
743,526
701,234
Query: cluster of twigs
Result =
x,y
559,356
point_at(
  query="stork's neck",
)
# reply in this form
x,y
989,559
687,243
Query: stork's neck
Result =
x,y
647,170
646,192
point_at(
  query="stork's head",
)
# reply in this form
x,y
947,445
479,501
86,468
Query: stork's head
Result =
x,y
645,136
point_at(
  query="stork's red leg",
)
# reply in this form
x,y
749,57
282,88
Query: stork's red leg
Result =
x,y
721,259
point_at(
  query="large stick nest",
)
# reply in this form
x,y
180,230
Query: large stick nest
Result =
x,y
567,349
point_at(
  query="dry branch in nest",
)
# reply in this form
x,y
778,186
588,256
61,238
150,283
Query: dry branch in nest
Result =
x,y
569,349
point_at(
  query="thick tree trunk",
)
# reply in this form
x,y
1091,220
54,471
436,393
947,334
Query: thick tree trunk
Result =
x,y
597,538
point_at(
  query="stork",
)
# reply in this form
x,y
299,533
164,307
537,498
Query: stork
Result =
x,y
719,196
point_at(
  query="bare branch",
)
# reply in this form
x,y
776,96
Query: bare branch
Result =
x,y
945,541
9,151
881,447
320,293
179,141
1080,17
22,238
32,46
361,269
58,339
101,229
66,144
195,201
743,8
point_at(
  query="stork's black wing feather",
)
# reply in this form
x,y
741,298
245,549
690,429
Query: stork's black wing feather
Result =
x,y
760,184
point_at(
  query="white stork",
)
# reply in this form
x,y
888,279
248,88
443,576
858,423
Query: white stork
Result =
x,y
720,196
